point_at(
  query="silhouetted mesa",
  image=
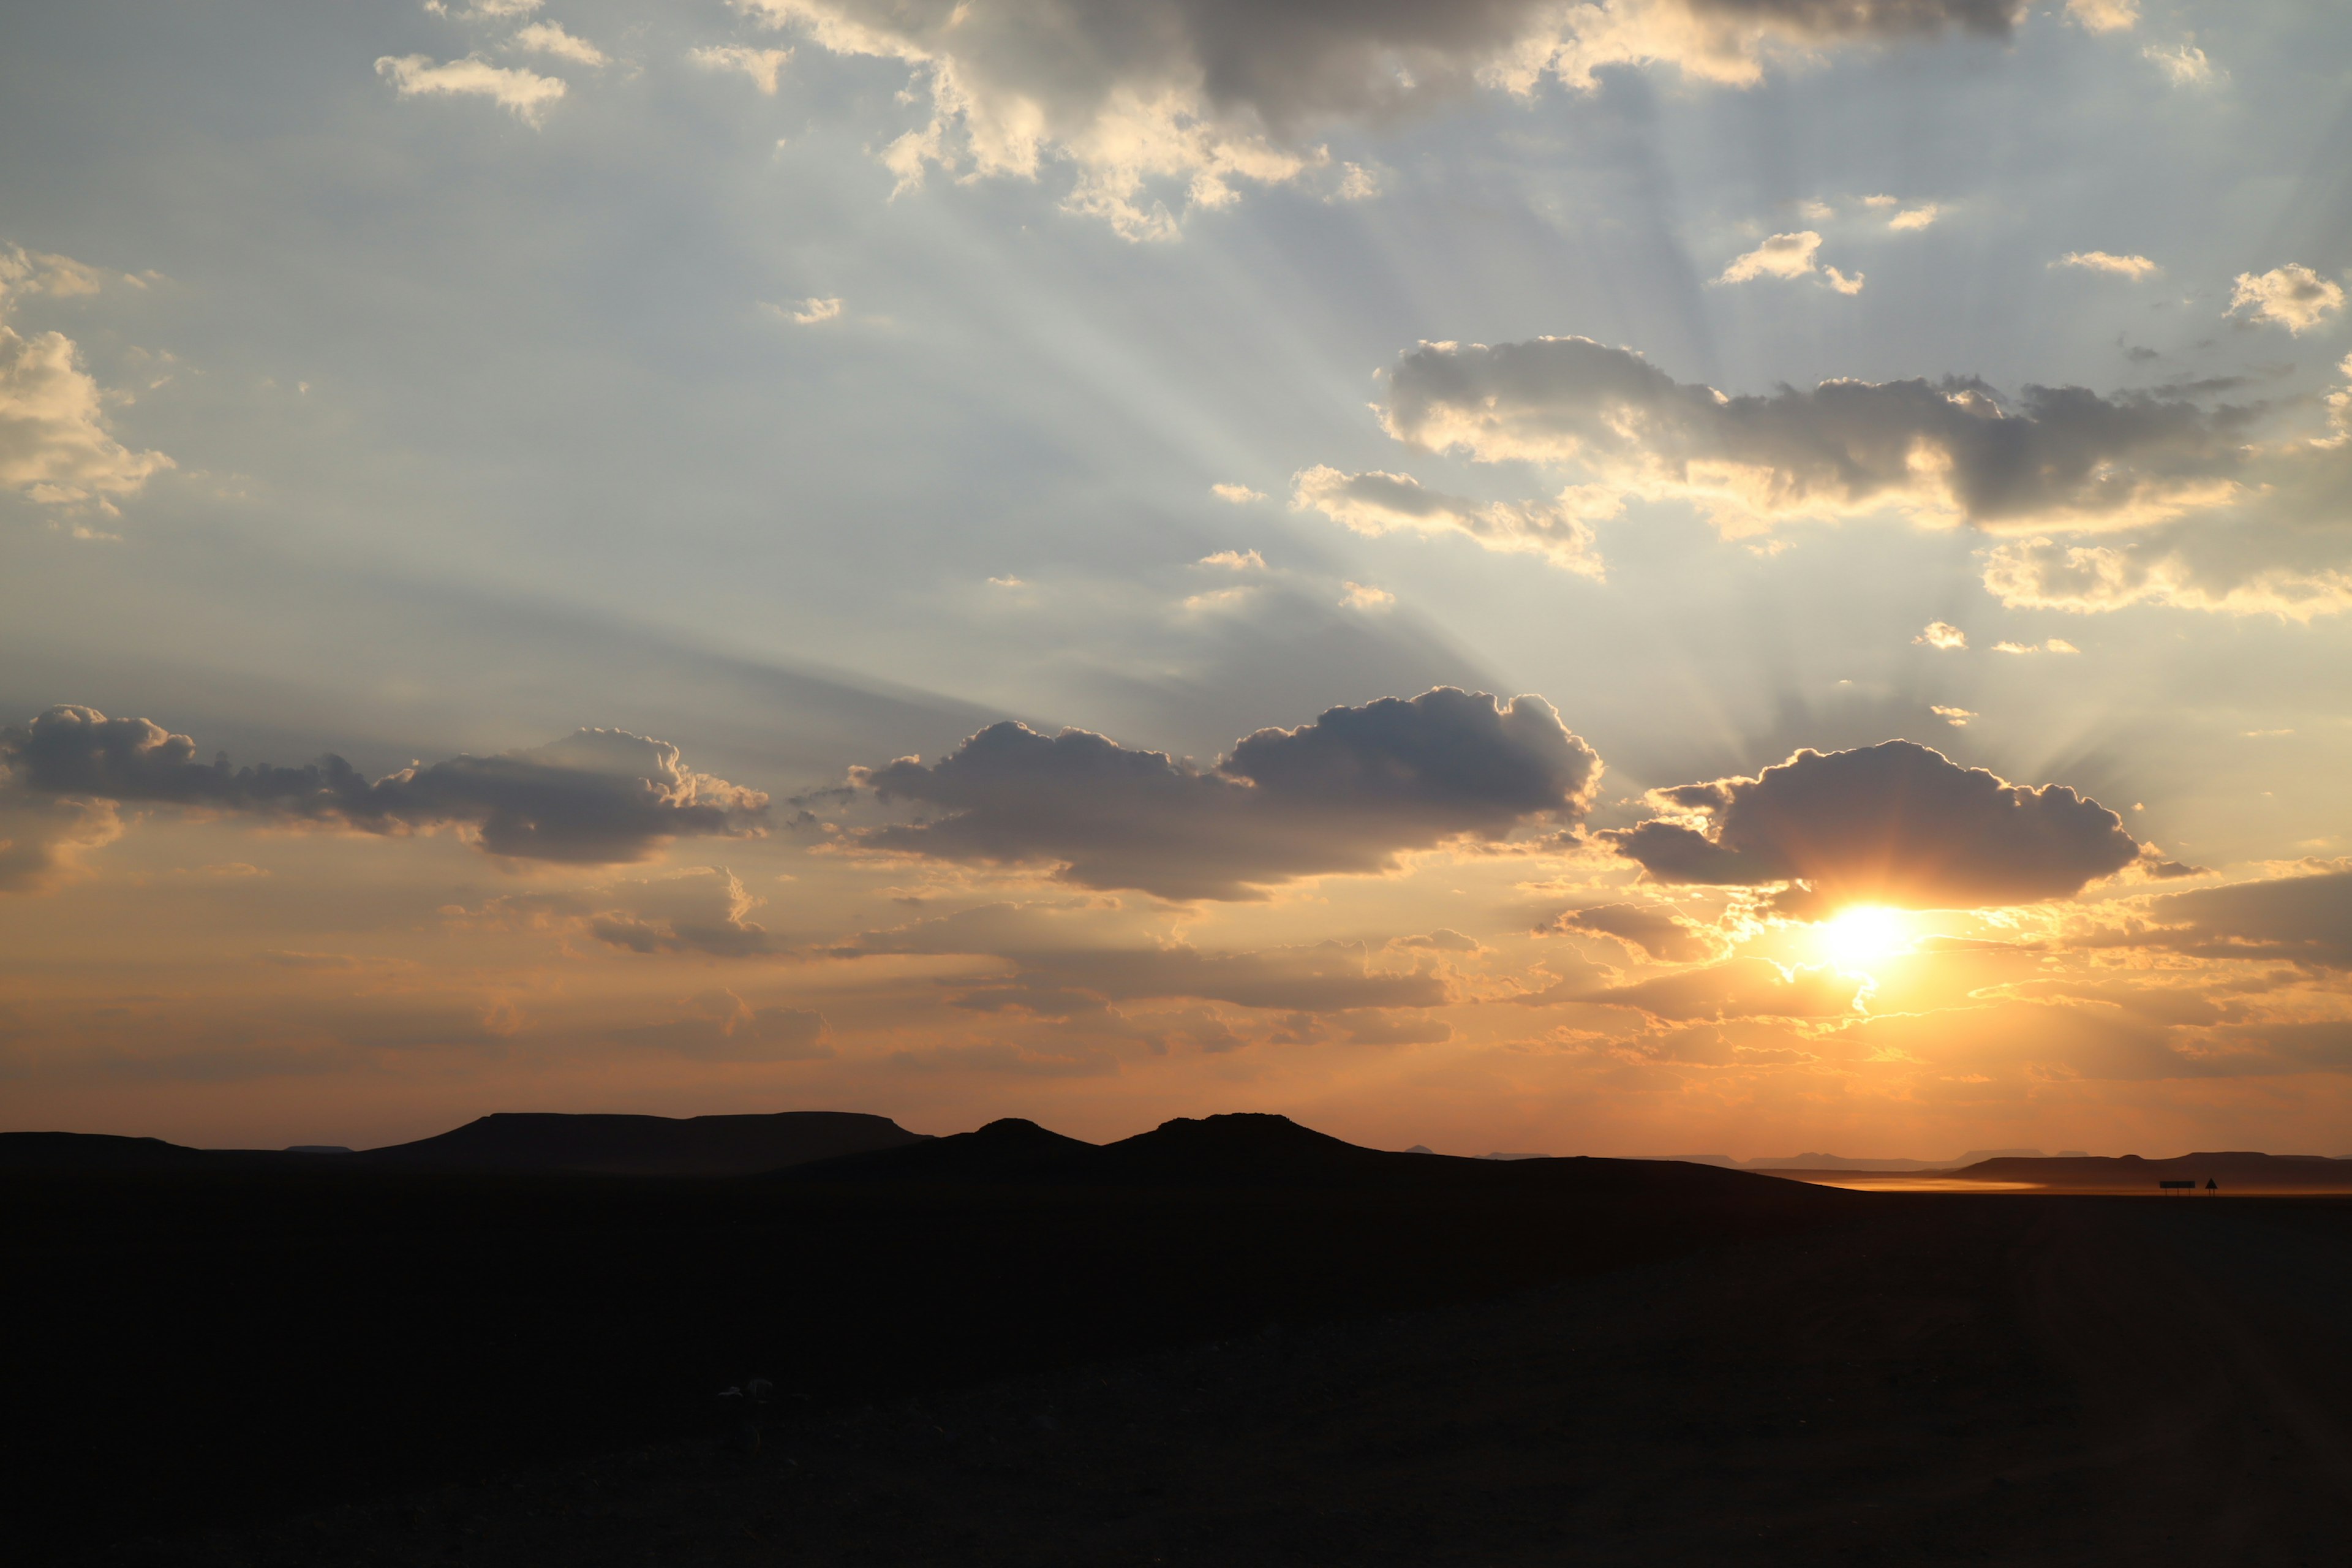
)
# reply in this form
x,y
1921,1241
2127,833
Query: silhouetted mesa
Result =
x,y
646,1145
2248,1172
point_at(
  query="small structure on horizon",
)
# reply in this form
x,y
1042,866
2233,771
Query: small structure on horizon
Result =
x,y
2188,1187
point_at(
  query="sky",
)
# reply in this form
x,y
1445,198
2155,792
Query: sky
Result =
x,y
1644,577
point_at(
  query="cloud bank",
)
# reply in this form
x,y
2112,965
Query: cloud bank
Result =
x,y
597,797
1346,793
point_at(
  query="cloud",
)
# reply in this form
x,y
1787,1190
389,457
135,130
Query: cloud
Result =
x,y
525,94
2184,64
2132,266
2104,15
1895,823
1917,217
549,38
1942,636
1238,495
1234,560
597,797
1788,256
55,446
42,841
1958,717
762,66
722,1025
1146,98
2293,296
1655,930
1058,955
1946,452
1364,596
1739,988
2304,919
24,272
705,909
1344,795
1376,503
810,313
2055,644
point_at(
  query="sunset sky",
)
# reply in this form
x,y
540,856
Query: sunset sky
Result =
x,y
1646,577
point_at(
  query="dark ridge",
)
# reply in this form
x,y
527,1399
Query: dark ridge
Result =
x,y
1013,1150
1254,1150
642,1145
100,1151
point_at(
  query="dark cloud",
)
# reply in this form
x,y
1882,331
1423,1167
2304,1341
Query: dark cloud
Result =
x,y
1657,931
2051,458
1892,824
1344,795
2304,920
596,796
1741,988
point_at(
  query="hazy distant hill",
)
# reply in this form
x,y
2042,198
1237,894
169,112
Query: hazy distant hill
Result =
x,y
644,1145
2232,1171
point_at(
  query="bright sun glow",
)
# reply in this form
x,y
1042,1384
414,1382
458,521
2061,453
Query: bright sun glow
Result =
x,y
1863,933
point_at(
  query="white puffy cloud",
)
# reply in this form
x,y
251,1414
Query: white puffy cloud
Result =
x,y
2184,64
1376,503
1236,495
1364,596
2104,15
762,66
1916,217
1942,635
2132,266
811,312
1788,256
55,446
523,93
549,38
1198,95
2293,296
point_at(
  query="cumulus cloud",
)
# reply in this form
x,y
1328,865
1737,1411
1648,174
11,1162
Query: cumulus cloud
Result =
x,y
1788,256
55,446
2132,266
1896,824
2055,644
1364,596
762,66
1346,793
809,312
1657,930
1236,495
1234,560
549,38
1914,218
1145,97
525,94
597,797
1942,636
1958,717
2293,296
1739,988
1377,503
1944,452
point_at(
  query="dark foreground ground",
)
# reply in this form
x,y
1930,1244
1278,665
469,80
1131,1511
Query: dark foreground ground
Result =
x,y
1920,1379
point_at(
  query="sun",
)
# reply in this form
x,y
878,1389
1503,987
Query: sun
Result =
x,y
1861,934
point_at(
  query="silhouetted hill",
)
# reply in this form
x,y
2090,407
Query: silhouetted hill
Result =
x,y
642,1145
2233,1171
1011,1150
98,1151
1254,1150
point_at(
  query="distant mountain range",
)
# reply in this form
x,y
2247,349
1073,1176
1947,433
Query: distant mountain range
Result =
x,y
1848,1163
